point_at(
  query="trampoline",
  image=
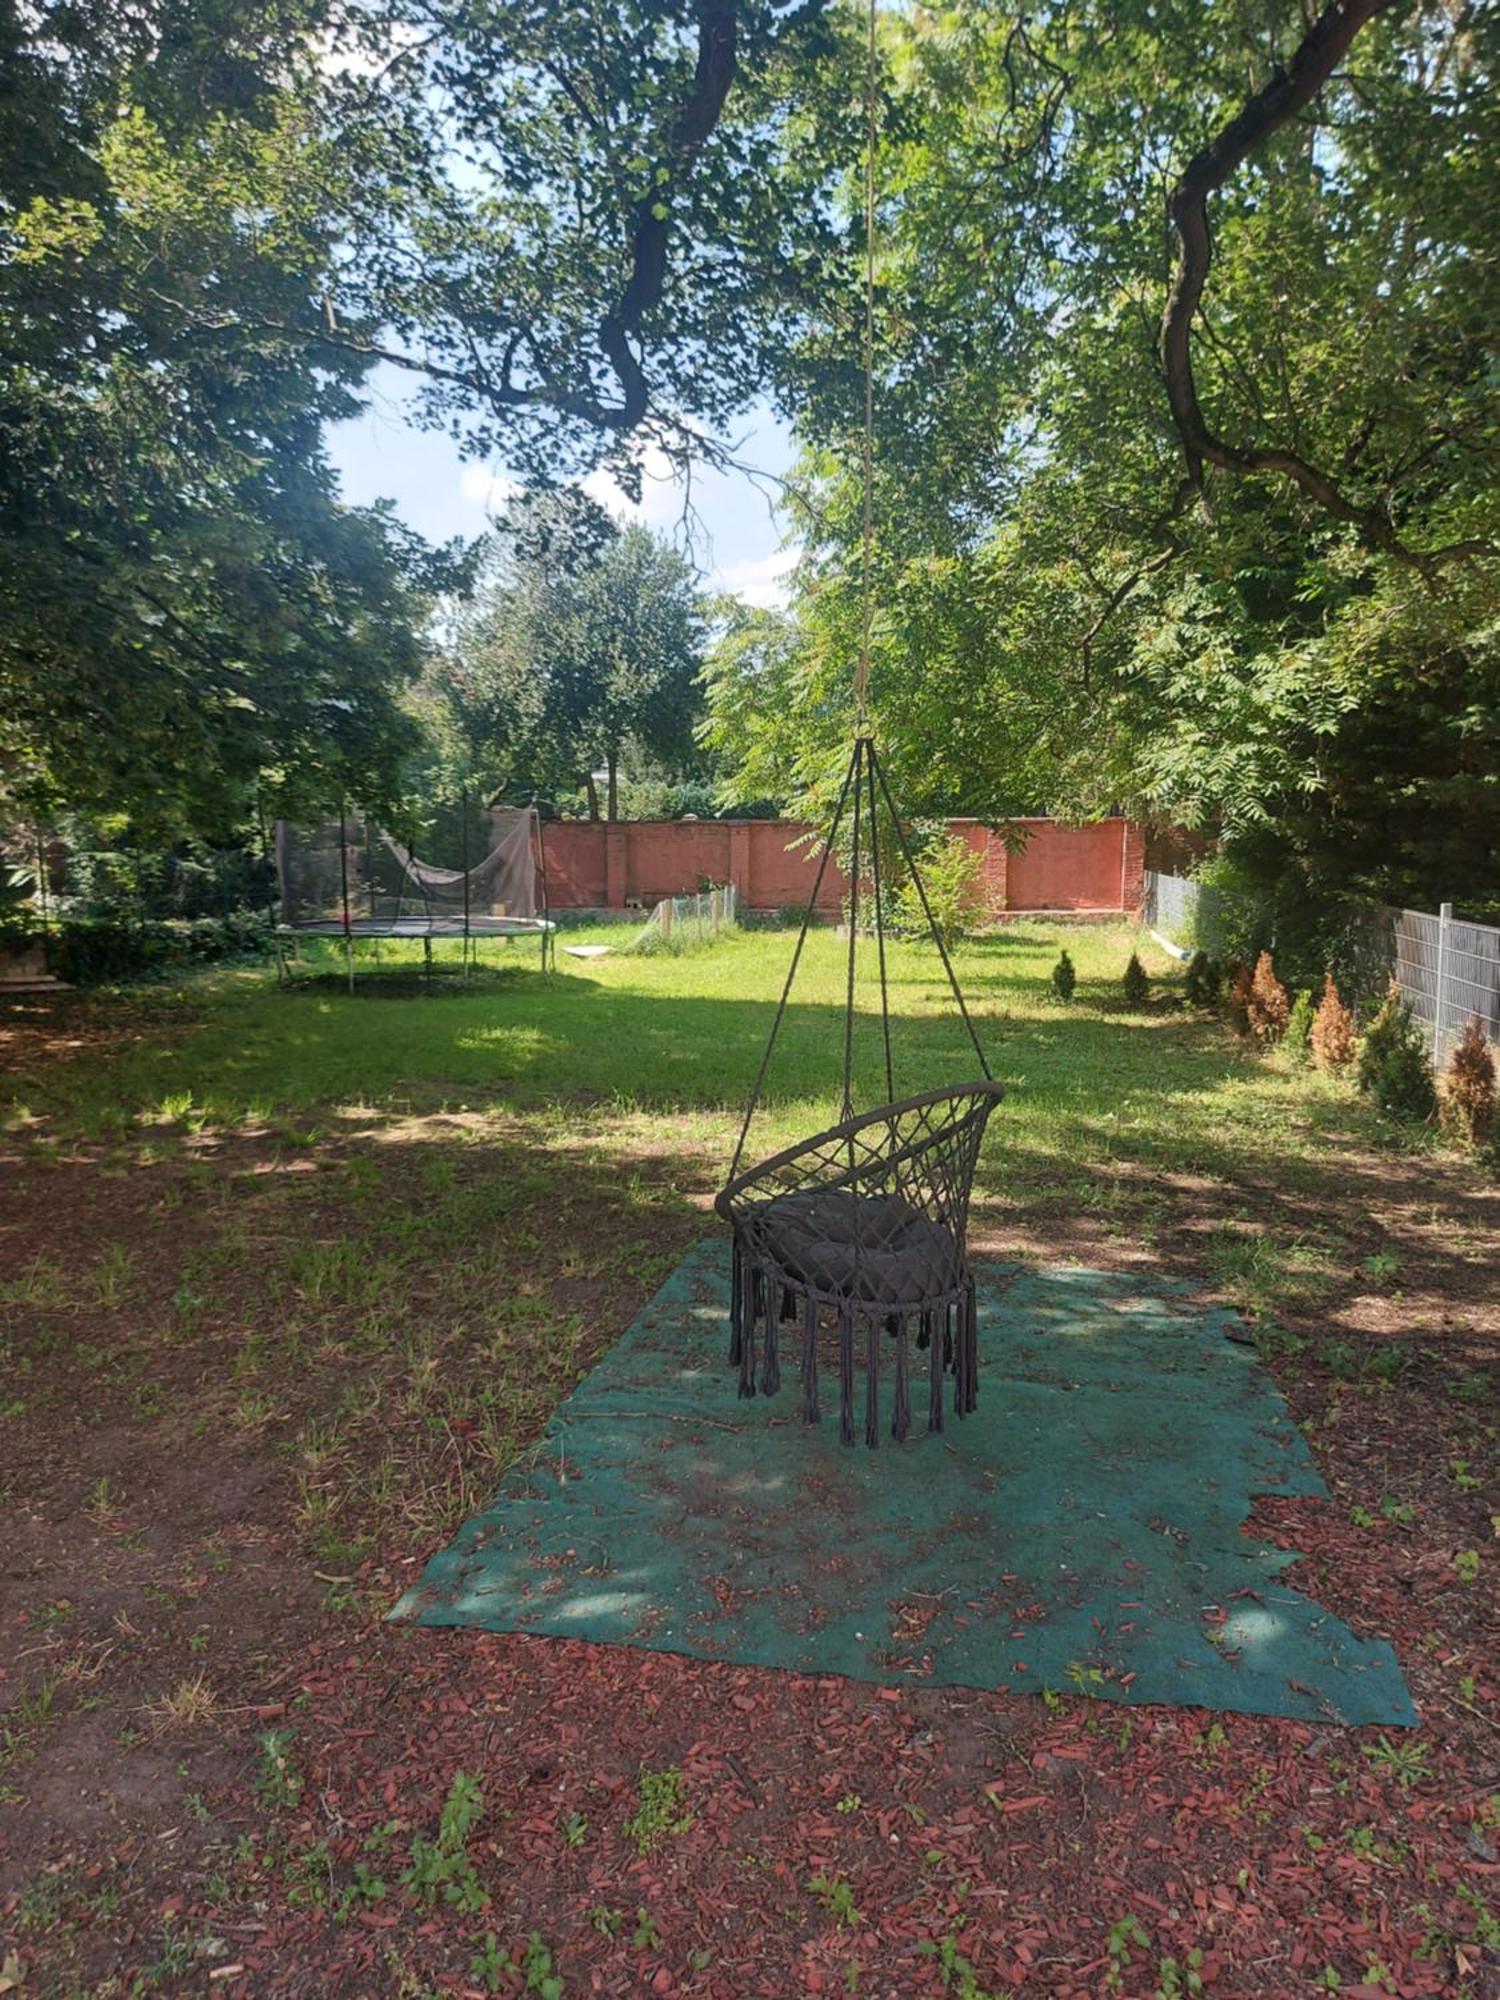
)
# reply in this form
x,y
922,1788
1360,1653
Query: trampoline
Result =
x,y
349,878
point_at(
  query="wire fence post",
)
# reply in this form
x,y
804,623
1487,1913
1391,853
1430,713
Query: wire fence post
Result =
x,y
1445,918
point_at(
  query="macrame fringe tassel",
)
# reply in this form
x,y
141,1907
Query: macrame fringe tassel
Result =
x,y
811,1414
935,1373
770,1374
755,1295
872,1382
971,1359
747,1329
901,1411
961,1362
736,1304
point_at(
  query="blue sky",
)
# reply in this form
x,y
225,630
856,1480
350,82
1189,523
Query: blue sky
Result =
x,y
734,538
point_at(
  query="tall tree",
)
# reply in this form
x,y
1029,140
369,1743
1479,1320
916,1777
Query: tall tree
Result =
x,y
1212,536
584,645
579,229
184,605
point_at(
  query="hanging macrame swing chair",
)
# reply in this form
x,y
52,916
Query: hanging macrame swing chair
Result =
x,y
863,1225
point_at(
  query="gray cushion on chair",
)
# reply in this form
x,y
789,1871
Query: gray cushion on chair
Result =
x,y
874,1248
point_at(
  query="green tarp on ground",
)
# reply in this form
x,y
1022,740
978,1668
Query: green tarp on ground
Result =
x,y
1082,1530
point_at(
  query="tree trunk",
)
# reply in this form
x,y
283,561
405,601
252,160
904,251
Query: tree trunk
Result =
x,y
593,794
1290,88
612,765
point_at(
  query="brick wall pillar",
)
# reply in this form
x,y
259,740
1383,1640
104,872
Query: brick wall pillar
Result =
x,y
616,864
997,870
739,860
1132,867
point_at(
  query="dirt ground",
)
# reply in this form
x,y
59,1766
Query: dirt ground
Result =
x,y
219,1771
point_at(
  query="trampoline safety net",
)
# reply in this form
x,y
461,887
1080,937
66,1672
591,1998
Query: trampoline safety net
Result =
x,y
349,876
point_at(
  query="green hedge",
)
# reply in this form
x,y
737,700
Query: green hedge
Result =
x,y
89,951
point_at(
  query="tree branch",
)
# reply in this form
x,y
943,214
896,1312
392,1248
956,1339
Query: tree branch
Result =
x,y
1127,585
1289,90
689,127
695,121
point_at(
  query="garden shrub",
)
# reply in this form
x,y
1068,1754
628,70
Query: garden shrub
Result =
x,y
1381,1036
1404,1087
89,951
1064,977
953,876
1332,1036
1260,891
1203,981
1393,1066
1298,1037
1237,1001
1267,1007
1467,1109
1136,983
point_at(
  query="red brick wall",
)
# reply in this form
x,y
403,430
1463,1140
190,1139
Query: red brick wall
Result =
x,y
594,865
1069,867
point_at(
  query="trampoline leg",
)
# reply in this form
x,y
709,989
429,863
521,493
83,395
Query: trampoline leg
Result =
x,y
427,961
349,958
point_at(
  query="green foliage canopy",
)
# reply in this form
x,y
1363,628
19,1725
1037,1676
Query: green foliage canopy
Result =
x,y
1080,606
184,605
581,229
584,642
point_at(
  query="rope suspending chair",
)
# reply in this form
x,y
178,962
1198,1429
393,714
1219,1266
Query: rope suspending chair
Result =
x,y
863,1223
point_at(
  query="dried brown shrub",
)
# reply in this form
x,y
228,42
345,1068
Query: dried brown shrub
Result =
x,y
1332,1030
1237,1000
1267,1006
1467,1104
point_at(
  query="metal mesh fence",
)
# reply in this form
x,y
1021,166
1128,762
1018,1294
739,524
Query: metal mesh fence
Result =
x,y
1180,909
680,921
1448,970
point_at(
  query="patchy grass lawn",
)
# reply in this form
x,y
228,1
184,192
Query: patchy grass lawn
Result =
x,y
286,1278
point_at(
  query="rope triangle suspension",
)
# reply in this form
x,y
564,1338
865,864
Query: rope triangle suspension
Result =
x,y
857,1236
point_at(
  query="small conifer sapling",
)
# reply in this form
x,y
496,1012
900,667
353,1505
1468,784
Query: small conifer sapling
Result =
x,y
1468,1106
1267,1006
1332,1035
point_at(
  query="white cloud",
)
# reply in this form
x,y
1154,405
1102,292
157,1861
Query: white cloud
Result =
x,y
662,492
761,581
483,487
367,56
